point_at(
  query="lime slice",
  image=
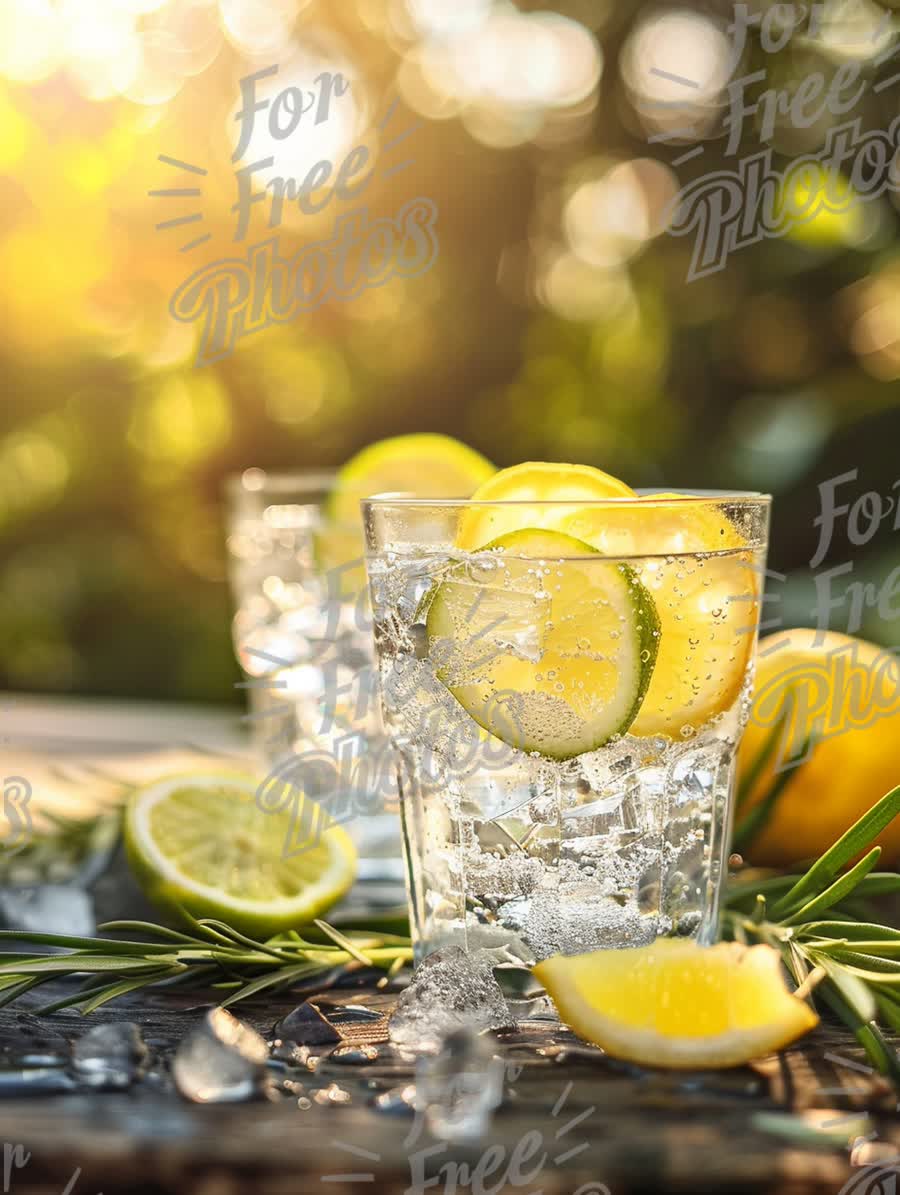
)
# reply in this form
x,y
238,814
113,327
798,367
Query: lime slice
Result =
x,y
536,482
427,465
705,584
201,843
544,644
677,1004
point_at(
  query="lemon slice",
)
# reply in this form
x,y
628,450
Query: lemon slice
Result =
x,y
539,483
705,584
546,645
427,465
201,842
677,1004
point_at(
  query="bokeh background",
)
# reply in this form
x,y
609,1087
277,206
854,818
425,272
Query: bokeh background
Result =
x,y
556,323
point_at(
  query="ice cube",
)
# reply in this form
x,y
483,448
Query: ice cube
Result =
x,y
449,990
48,909
222,1062
459,1088
306,1026
110,1056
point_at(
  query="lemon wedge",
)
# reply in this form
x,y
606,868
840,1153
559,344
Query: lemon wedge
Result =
x,y
676,1004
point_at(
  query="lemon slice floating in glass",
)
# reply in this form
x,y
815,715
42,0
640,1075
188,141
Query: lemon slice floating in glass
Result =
x,y
677,1004
426,465
546,645
705,583
538,483
201,843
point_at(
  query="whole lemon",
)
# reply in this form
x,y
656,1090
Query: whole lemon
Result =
x,y
843,694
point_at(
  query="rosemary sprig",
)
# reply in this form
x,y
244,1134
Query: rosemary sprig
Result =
x,y
68,848
850,965
211,955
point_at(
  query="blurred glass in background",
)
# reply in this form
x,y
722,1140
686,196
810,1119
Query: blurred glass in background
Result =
x,y
302,633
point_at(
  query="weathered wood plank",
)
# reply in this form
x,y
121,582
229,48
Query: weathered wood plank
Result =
x,y
725,1132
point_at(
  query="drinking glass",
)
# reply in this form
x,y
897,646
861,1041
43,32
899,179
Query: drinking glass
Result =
x,y
565,702
303,637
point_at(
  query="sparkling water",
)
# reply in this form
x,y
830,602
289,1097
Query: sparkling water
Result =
x,y
509,849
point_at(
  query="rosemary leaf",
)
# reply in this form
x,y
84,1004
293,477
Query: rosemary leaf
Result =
x,y
77,962
278,978
833,894
856,839
143,927
344,942
888,1009
107,945
851,988
866,1033
867,966
862,931
114,990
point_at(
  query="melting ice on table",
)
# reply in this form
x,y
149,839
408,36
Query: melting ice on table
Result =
x,y
458,1089
110,1056
223,1061
449,990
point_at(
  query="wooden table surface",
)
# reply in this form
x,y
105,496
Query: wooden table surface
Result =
x,y
813,1120
600,1124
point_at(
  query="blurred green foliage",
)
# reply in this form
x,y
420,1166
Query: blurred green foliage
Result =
x,y
776,373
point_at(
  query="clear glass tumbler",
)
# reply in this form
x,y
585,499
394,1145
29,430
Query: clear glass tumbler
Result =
x,y
303,637
565,686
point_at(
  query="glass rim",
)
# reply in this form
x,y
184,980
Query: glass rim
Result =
x,y
648,497
278,483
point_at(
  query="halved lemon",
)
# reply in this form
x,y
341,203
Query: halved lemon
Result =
x,y
427,465
841,696
534,482
705,582
546,645
677,1004
202,843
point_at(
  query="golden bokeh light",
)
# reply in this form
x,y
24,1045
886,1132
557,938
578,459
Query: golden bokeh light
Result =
x,y
675,65
260,27
557,320
610,218
31,40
